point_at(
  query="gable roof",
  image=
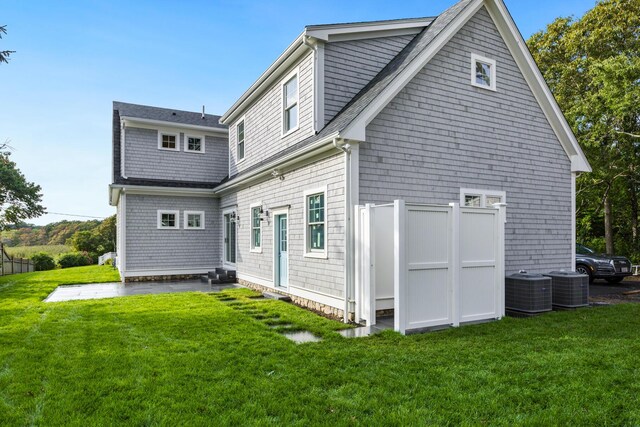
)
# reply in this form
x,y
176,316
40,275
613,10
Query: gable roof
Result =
x,y
157,114
323,33
351,121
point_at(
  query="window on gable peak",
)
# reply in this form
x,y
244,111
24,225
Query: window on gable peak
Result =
x,y
483,72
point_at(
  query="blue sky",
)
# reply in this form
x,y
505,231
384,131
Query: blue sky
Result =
x,y
75,57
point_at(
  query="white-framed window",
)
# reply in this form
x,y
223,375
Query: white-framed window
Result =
x,y
168,219
240,139
315,223
474,198
194,143
193,220
168,141
255,216
290,101
483,72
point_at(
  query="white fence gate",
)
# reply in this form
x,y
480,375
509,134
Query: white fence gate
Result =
x,y
434,265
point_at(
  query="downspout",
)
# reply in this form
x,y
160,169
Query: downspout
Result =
x,y
348,253
308,42
122,151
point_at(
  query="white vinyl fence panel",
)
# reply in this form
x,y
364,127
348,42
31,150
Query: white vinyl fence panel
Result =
x,y
435,265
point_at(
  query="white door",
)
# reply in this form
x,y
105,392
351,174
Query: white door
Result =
x,y
281,252
229,248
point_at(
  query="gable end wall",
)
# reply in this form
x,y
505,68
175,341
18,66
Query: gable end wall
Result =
x,y
350,65
441,134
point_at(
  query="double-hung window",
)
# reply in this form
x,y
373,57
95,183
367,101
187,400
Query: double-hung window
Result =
x,y
315,223
256,228
290,105
240,138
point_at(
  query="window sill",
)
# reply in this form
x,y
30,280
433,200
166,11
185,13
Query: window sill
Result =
x,y
194,228
168,149
290,131
491,88
255,250
194,152
168,228
316,255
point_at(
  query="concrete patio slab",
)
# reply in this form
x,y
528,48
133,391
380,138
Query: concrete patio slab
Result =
x,y
118,289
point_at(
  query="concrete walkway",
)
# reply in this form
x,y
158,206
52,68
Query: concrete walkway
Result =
x,y
118,289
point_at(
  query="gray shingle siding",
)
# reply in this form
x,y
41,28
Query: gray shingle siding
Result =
x,y
263,121
441,134
150,248
320,275
350,65
143,159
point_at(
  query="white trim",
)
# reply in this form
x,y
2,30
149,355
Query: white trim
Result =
x,y
320,297
161,133
153,124
202,143
122,263
252,247
573,221
357,31
186,214
227,211
289,160
483,193
256,280
122,150
161,212
475,58
116,189
244,140
273,214
318,89
170,272
518,48
307,252
293,74
289,57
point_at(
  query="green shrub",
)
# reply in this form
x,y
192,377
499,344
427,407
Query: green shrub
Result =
x,y
74,259
109,261
43,261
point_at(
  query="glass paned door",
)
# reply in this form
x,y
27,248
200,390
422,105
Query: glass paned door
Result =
x,y
282,257
229,238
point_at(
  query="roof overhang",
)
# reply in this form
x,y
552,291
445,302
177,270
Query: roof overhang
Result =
x,y
115,190
283,164
133,121
319,34
518,48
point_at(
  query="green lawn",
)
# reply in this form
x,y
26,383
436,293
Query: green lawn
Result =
x,y
207,359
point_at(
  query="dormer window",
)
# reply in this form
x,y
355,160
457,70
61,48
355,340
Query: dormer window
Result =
x,y
168,141
483,72
290,104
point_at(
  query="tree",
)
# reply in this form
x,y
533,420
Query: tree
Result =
x,y
97,241
592,66
4,54
19,199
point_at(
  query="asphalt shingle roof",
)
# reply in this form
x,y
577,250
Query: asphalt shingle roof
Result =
x,y
167,115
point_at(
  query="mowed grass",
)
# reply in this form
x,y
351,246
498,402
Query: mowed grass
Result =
x,y
28,251
213,359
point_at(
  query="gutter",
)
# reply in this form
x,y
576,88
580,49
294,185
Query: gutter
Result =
x,y
127,120
290,159
265,80
348,249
